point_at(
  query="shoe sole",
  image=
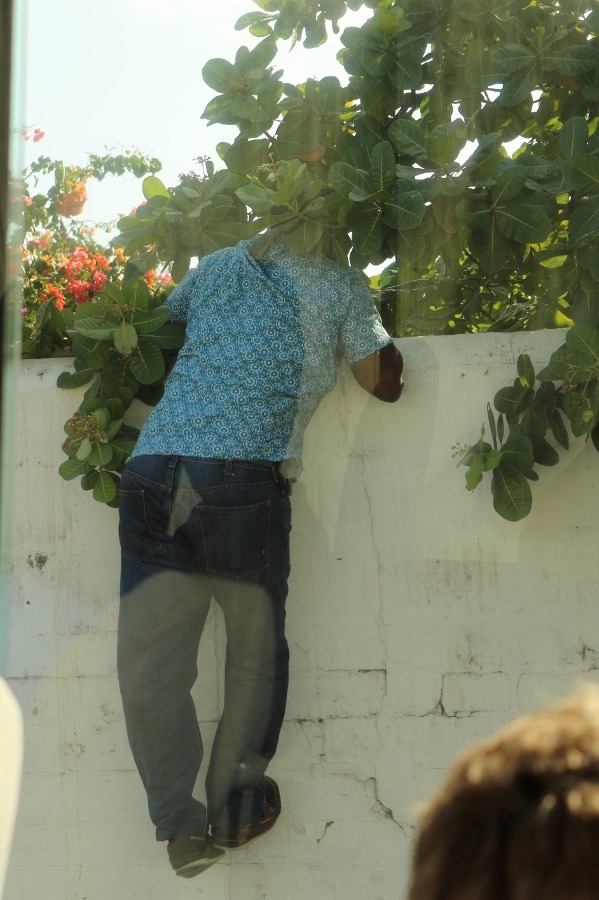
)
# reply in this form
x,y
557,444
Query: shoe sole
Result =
x,y
236,845
197,866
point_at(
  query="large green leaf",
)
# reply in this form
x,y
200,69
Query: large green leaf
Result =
x,y
72,468
409,246
305,237
117,376
90,479
509,185
218,74
136,294
510,58
486,156
147,362
490,246
148,321
369,233
259,57
409,138
180,267
368,133
512,497
582,357
572,60
404,211
446,141
511,400
544,453
517,453
106,488
582,173
154,187
169,337
377,60
518,88
573,137
258,198
382,171
350,182
559,430
96,329
101,454
140,238
75,379
125,338
244,156
244,106
300,132
526,371
523,222
250,19
584,220
325,96
406,74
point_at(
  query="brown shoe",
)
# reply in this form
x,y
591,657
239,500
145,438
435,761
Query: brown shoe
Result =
x,y
190,855
233,838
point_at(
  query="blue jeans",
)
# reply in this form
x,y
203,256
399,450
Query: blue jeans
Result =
x,y
192,529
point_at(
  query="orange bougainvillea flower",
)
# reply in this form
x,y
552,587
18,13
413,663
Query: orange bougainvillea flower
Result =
x,y
155,279
57,295
72,203
84,271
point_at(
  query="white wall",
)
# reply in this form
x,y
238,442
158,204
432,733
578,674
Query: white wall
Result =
x,y
418,620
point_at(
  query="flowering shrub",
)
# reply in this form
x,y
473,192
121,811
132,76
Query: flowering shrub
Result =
x,y
77,302
64,265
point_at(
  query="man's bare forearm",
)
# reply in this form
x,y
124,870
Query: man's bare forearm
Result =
x,y
389,384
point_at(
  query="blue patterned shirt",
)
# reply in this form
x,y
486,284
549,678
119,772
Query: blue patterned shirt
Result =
x,y
263,339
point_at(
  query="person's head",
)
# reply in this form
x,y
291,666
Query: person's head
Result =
x,y
518,816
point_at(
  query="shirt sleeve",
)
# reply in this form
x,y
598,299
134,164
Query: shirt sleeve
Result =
x,y
179,299
362,331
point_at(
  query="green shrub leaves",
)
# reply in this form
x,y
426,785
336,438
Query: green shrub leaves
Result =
x,y
127,335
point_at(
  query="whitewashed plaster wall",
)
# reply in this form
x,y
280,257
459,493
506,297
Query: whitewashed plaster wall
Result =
x,y
418,621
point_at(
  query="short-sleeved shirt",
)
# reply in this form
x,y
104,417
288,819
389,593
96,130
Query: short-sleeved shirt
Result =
x,y
262,344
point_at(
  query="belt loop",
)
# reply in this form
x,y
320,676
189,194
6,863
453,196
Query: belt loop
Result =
x,y
228,467
170,472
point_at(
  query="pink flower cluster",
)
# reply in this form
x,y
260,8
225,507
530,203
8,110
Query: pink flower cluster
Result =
x,y
37,136
85,273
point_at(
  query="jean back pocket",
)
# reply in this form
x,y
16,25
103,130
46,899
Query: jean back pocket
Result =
x,y
235,538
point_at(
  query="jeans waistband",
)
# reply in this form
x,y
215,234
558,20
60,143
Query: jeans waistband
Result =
x,y
273,465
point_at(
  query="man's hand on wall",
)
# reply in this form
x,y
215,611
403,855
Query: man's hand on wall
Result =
x,y
381,373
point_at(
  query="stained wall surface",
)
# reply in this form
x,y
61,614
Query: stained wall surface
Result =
x,y
418,621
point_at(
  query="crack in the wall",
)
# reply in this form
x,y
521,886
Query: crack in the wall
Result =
x,y
379,808
591,656
326,828
439,708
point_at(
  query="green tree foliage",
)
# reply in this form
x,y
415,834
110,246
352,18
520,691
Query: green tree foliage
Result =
x,y
456,150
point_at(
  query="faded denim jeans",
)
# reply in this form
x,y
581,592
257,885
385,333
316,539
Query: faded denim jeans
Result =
x,y
192,529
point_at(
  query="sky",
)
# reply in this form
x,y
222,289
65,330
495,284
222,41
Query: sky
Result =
x,y
126,75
